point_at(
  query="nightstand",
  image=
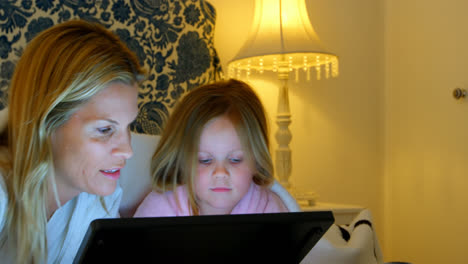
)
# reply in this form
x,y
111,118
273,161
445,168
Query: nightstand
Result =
x,y
343,213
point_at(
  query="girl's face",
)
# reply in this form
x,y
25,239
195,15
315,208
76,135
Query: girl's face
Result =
x,y
224,172
91,148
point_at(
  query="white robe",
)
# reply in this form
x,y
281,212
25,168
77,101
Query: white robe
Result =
x,y
68,225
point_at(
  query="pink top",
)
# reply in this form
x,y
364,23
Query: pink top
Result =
x,y
257,200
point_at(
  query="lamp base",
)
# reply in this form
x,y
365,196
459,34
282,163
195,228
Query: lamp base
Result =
x,y
307,198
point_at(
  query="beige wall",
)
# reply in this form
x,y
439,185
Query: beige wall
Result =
x,y
426,148
337,124
387,133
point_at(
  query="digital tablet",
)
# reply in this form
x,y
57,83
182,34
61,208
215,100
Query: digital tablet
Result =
x,y
246,238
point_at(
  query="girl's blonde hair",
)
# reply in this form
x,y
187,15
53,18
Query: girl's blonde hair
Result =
x,y
59,71
176,157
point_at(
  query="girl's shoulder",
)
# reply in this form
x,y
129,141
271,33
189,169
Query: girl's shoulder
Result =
x,y
274,202
163,204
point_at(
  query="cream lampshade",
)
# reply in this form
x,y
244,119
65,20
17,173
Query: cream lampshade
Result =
x,y
283,40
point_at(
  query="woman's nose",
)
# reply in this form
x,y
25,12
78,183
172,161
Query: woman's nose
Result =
x,y
123,148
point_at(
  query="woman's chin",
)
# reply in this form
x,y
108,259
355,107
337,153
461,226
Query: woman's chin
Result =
x,y
105,190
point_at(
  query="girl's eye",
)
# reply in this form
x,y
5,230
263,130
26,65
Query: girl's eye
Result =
x,y
204,161
235,160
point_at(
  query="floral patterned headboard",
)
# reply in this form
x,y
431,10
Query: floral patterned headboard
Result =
x,y
173,39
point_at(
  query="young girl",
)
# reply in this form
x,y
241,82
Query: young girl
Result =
x,y
213,156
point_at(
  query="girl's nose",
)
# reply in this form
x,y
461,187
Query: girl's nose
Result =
x,y
220,171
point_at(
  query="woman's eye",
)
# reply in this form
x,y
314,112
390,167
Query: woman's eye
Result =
x,y
105,130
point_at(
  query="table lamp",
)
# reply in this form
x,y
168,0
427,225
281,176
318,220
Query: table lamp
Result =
x,y
282,40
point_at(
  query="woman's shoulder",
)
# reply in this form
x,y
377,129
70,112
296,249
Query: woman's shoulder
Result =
x,y
3,200
2,182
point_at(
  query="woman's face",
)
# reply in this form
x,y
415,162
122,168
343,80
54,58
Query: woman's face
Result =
x,y
224,171
91,148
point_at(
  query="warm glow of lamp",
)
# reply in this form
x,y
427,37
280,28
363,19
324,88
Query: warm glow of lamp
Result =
x,y
283,40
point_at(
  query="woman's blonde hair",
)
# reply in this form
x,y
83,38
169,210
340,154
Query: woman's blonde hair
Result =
x,y
60,70
175,160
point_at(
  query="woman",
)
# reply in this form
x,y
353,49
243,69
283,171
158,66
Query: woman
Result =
x,y
72,98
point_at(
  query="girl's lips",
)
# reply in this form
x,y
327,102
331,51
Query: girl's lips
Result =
x,y
221,189
113,175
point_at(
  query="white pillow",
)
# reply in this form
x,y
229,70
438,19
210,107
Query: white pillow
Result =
x,y
135,177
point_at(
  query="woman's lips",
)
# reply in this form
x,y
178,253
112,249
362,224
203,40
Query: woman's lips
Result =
x,y
113,174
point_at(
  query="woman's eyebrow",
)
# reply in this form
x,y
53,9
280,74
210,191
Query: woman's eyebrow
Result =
x,y
109,120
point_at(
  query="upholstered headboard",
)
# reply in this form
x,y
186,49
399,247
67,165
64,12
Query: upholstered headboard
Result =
x,y
172,39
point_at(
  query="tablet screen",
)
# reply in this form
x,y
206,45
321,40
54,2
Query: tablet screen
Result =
x,y
247,238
